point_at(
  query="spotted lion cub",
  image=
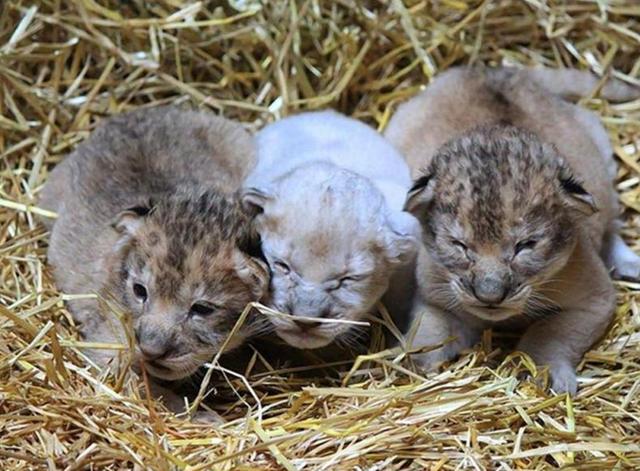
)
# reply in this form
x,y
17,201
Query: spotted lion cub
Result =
x,y
329,191
148,220
515,200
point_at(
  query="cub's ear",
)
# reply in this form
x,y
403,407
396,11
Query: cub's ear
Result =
x,y
253,271
420,195
402,236
254,200
575,196
251,245
130,220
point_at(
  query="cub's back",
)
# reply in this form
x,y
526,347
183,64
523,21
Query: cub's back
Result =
x,y
328,136
147,152
128,160
463,98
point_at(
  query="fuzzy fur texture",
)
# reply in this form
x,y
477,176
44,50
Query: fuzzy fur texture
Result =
x,y
148,220
329,192
516,201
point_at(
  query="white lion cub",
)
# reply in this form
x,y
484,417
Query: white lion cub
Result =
x,y
329,192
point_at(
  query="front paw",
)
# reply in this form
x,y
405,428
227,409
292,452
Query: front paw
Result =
x,y
209,417
430,361
627,269
563,378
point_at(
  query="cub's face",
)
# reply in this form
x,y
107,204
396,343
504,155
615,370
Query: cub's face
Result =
x,y
331,245
187,273
323,276
499,212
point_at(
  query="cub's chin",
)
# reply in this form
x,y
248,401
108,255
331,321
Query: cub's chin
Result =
x,y
307,340
169,370
493,314
168,374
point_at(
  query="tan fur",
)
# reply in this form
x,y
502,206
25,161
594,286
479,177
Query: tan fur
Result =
x,y
434,127
187,241
459,101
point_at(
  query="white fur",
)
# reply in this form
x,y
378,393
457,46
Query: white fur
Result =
x,y
328,136
623,259
330,192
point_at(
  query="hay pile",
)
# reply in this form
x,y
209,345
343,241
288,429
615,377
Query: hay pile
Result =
x,y
64,64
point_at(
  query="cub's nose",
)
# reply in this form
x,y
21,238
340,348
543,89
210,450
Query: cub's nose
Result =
x,y
305,325
153,352
490,290
150,349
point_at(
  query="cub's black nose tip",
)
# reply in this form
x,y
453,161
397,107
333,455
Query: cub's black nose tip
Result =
x,y
152,354
305,324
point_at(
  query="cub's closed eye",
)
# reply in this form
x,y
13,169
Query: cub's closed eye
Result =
x,y
461,245
283,267
527,244
347,280
140,292
202,308
344,281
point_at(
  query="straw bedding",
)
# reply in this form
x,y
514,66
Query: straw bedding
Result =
x,y
65,64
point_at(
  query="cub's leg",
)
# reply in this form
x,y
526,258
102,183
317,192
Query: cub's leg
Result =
x,y
435,326
561,340
619,256
616,253
175,403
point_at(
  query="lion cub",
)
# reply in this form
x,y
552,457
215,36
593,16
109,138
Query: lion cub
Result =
x,y
329,192
515,200
147,220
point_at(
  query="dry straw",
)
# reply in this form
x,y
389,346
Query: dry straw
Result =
x,y
65,64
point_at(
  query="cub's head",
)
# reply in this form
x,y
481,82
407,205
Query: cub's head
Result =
x,y
187,267
499,211
331,244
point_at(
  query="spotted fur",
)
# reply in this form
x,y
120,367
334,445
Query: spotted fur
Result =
x,y
148,205
514,195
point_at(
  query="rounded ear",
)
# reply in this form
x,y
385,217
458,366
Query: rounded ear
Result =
x,y
131,219
251,245
254,200
420,196
575,196
402,236
252,271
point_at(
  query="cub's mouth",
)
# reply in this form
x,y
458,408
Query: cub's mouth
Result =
x,y
492,312
303,338
172,369
512,306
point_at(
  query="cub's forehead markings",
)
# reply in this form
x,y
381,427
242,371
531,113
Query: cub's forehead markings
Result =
x,y
153,238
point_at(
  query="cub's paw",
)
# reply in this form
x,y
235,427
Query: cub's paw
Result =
x,y
209,417
563,379
625,262
628,269
430,361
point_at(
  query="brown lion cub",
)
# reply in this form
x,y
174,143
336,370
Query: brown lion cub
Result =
x,y
515,201
148,220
